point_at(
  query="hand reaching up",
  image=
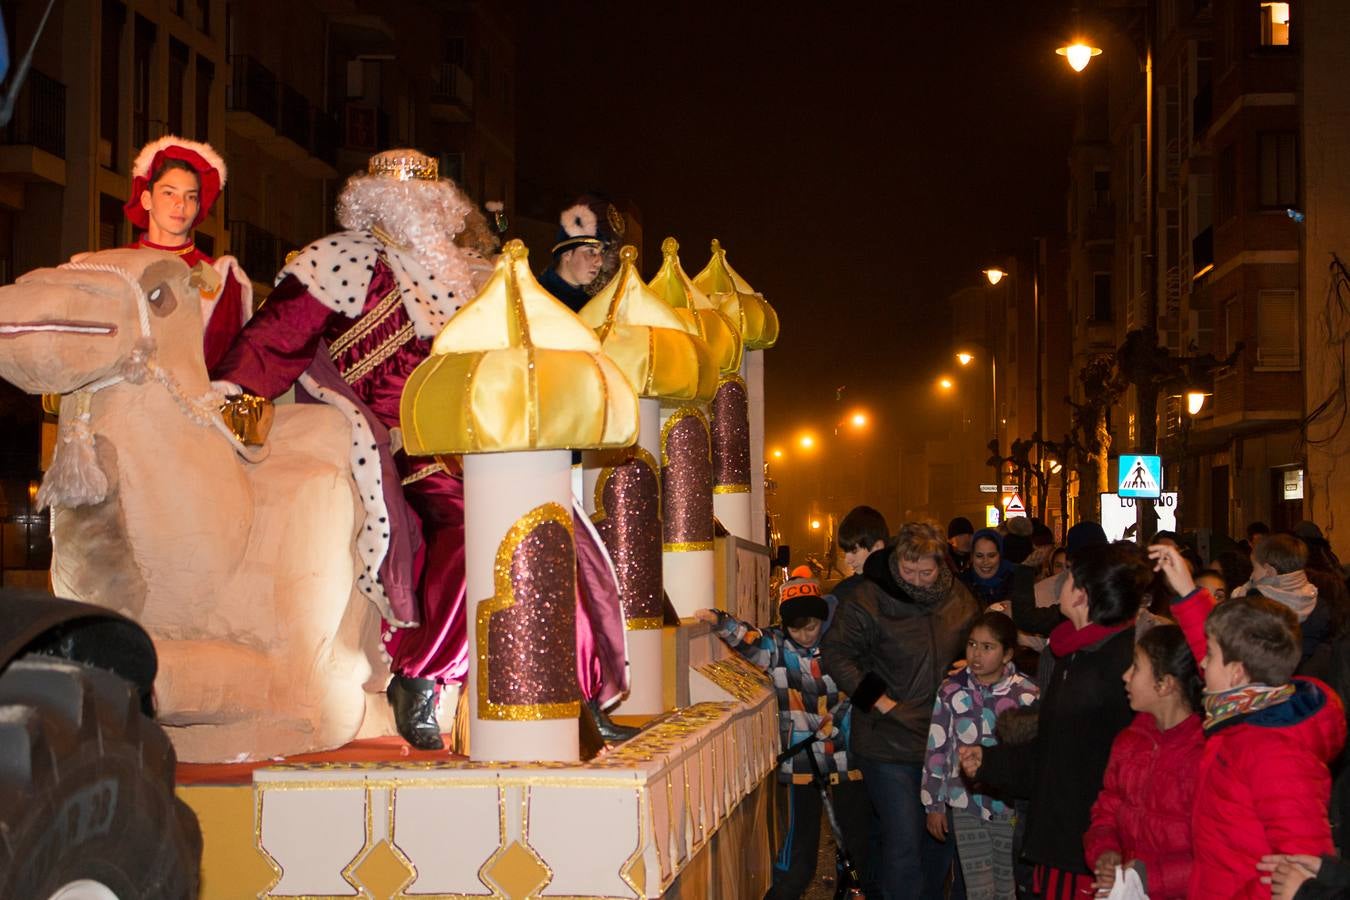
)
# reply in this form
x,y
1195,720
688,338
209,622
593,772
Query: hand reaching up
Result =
x,y
1168,560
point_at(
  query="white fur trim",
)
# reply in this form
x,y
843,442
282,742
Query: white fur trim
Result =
x,y
141,167
225,267
578,220
372,541
336,270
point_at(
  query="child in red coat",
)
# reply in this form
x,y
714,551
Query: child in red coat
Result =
x,y
1142,817
1264,784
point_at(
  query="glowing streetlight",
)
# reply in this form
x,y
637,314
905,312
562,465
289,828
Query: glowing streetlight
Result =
x,y
1079,54
946,383
858,420
965,358
994,274
807,442
1195,401
815,524
777,453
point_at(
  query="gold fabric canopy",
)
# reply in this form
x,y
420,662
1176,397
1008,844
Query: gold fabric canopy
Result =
x,y
754,317
674,286
660,351
515,369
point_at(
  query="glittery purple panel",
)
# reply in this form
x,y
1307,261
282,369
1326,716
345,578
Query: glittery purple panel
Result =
x,y
532,644
686,483
631,530
731,434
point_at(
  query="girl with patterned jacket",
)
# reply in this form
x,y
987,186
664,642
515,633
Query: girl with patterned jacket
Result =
x,y
809,703
968,705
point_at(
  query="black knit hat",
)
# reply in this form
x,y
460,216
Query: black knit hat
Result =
x,y
799,598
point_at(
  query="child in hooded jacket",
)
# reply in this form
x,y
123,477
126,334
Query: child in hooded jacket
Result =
x,y
967,707
1142,817
1264,784
809,703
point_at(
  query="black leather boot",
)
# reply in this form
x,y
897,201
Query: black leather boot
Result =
x,y
611,731
414,702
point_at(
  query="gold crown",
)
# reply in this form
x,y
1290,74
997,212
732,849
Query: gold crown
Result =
x,y
404,165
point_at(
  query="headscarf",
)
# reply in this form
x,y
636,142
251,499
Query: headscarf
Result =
x,y
1292,589
996,587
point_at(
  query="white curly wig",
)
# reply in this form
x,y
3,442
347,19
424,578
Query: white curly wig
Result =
x,y
422,216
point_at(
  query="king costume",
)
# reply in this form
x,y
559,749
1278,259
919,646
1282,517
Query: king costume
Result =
x,y
350,318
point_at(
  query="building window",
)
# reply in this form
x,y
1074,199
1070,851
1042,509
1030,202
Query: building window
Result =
x,y
1277,329
201,15
206,76
1274,24
140,92
1101,296
1101,188
1225,185
178,69
1279,170
109,98
1232,325
110,219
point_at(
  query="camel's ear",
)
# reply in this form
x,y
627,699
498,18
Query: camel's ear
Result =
x,y
163,282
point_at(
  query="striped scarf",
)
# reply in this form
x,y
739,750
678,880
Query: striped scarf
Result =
x,y
1221,706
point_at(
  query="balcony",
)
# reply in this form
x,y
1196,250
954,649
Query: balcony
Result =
x,y
257,250
451,94
294,122
1246,400
251,103
35,139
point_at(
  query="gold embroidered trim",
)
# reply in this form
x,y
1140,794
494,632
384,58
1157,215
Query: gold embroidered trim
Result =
x,y
385,350
366,324
424,472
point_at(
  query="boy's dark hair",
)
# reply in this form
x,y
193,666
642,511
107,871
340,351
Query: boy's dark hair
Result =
x,y
999,625
170,163
861,528
1169,654
1115,577
1261,634
1257,528
1282,552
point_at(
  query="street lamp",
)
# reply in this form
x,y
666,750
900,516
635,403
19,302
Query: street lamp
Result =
x,y
1195,401
806,442
858,420
777,453
994,273
1079,54
964,358
945,383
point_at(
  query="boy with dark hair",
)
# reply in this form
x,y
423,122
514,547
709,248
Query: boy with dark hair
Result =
x,y
1264,783
809,703
862,532
960,534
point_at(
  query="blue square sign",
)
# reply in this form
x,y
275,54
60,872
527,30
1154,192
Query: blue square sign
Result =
x,y
1140,477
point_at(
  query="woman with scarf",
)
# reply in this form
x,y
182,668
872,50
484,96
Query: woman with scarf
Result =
x,y
989,578
1058,761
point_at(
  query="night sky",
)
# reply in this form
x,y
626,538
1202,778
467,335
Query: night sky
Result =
x,y
859,162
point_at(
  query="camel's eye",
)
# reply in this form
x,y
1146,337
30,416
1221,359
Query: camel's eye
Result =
x,y
161,299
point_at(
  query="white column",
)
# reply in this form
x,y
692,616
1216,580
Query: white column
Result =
x,y
752,370
499,489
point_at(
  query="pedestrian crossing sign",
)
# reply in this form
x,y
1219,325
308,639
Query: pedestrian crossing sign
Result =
x,y
1141,477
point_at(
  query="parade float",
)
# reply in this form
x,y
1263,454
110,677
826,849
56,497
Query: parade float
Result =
x,y
242,564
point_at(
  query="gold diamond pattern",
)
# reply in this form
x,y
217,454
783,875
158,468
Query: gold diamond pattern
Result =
x,y
518,872
384,872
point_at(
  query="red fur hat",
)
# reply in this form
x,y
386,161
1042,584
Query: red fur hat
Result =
x,y
205,161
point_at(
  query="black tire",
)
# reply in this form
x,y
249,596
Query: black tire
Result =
x,y
87,788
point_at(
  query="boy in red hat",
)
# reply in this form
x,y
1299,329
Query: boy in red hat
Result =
x,y
174,184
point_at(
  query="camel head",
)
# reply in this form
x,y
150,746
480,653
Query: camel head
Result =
x,y
63,328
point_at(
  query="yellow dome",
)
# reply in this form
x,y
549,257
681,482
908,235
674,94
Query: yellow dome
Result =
x,y
754,317
679,292
661,352
515,369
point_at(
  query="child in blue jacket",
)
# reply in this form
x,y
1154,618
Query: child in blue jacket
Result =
x,y
809,703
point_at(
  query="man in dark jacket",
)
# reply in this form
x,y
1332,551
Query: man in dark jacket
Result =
x,y
897,630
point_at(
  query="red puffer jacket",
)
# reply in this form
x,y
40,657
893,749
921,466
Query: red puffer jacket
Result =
x,y
1144,809
1264,783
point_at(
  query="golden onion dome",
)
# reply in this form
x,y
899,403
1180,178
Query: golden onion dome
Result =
x,y
515,369
754,317
661,352
674,286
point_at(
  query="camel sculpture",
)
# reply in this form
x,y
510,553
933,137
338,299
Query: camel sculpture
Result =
x,y
244,573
